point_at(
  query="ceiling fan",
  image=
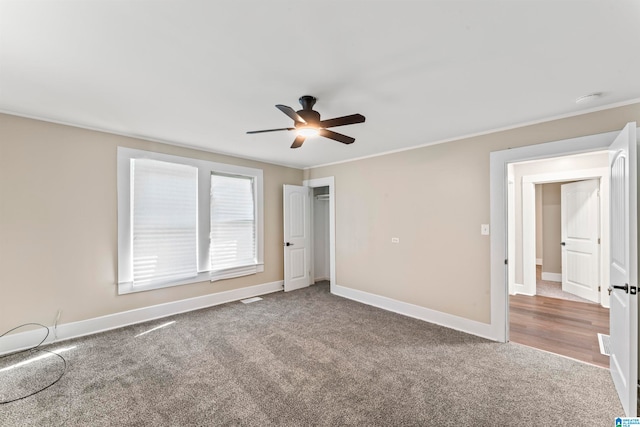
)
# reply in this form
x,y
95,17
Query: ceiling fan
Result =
x,y
307,123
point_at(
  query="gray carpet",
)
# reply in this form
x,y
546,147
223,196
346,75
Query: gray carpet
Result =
x,y
305,358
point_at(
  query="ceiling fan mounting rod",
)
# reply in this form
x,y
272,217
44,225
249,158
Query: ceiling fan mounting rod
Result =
x,y
307,102
310,116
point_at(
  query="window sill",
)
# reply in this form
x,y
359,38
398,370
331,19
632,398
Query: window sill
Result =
x,y
205,276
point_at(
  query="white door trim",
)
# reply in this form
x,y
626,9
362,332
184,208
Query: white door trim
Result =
x,y
529,221
499,161
511,228
328,182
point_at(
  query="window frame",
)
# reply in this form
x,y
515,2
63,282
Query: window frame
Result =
x,y
205,168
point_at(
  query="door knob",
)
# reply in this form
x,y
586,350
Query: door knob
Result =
x,y
625,288
563,244
288,244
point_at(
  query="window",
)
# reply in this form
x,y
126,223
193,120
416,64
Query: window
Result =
x,y
164,221
183,220
233,234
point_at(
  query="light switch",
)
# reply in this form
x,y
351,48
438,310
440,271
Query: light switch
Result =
x,y
395,240
484,229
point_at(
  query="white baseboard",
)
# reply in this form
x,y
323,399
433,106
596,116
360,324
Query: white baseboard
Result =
x,y
538,261
321,279
443,319
65,331
519,289
552,277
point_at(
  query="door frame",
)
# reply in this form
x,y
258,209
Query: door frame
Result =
x,y
327,182
529,224
498,178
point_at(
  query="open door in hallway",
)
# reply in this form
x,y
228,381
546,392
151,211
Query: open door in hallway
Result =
x,y
580,218
297,237
624,267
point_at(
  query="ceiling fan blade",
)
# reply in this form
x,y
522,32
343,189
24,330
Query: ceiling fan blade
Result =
x,y
298,141
341,121
269,130
336,136
291,113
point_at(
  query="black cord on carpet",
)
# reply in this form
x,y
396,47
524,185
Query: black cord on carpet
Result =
x,y
36,348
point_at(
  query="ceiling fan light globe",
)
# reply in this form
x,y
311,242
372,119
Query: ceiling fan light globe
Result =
x,y
307,131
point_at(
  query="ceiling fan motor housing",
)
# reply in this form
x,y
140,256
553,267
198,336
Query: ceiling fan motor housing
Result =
x,y
310,116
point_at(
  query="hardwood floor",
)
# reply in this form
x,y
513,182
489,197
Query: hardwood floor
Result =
x,y
559,326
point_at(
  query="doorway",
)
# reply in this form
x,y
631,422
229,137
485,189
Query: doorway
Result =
x,y
500,187
623,148
540,262
320,266
320,198
523,216
328,230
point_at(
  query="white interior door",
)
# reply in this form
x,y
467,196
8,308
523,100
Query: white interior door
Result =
x,y
297,239
623,311
580,218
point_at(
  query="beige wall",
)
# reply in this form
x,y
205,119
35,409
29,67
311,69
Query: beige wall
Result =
x,y
58,224
58,240
434,199
552,261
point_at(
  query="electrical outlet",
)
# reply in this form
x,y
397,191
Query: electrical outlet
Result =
x,y
484,229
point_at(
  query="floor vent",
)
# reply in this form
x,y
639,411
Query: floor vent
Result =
x,y
603,340
254,299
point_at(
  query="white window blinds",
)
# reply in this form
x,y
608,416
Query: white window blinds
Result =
x,y
233,226
164,221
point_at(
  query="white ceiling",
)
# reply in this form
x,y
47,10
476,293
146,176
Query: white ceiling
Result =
x,y
202,73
